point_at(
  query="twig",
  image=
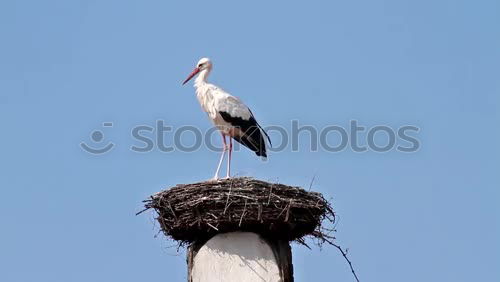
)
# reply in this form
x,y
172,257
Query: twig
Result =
x,y
227,200
243,213
344,254
286,206
208,223
270,192
302,242
172,210
213,215
244,197
138,213
288,211
312,180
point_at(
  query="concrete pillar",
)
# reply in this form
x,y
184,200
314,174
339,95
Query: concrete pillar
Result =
x,y
240,256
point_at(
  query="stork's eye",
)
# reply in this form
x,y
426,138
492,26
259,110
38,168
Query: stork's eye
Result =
x,y
200,65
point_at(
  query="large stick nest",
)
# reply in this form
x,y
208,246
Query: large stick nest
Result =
x,y
193,212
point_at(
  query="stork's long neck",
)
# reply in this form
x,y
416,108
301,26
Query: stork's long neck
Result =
x,y
204,96
202,78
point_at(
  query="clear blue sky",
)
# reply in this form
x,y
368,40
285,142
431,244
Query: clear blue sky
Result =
x,y
68,66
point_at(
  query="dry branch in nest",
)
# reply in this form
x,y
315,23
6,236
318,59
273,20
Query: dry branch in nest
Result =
x,y
196,212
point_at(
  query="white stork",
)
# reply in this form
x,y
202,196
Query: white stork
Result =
x,y
231,117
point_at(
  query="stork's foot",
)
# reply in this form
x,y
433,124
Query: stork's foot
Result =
x,y
214,179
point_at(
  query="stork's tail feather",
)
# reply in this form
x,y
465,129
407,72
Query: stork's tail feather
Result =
x,y
261,153
265,133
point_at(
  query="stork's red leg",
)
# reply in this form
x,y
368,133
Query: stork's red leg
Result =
x,y
216,176
229,158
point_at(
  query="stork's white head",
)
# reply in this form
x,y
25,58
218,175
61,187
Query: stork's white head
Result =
x,y
202,65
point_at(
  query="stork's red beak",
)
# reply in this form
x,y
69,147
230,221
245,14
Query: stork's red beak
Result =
x,y
195,71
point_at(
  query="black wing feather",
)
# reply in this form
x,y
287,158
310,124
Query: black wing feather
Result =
x,y
268,139
252,137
